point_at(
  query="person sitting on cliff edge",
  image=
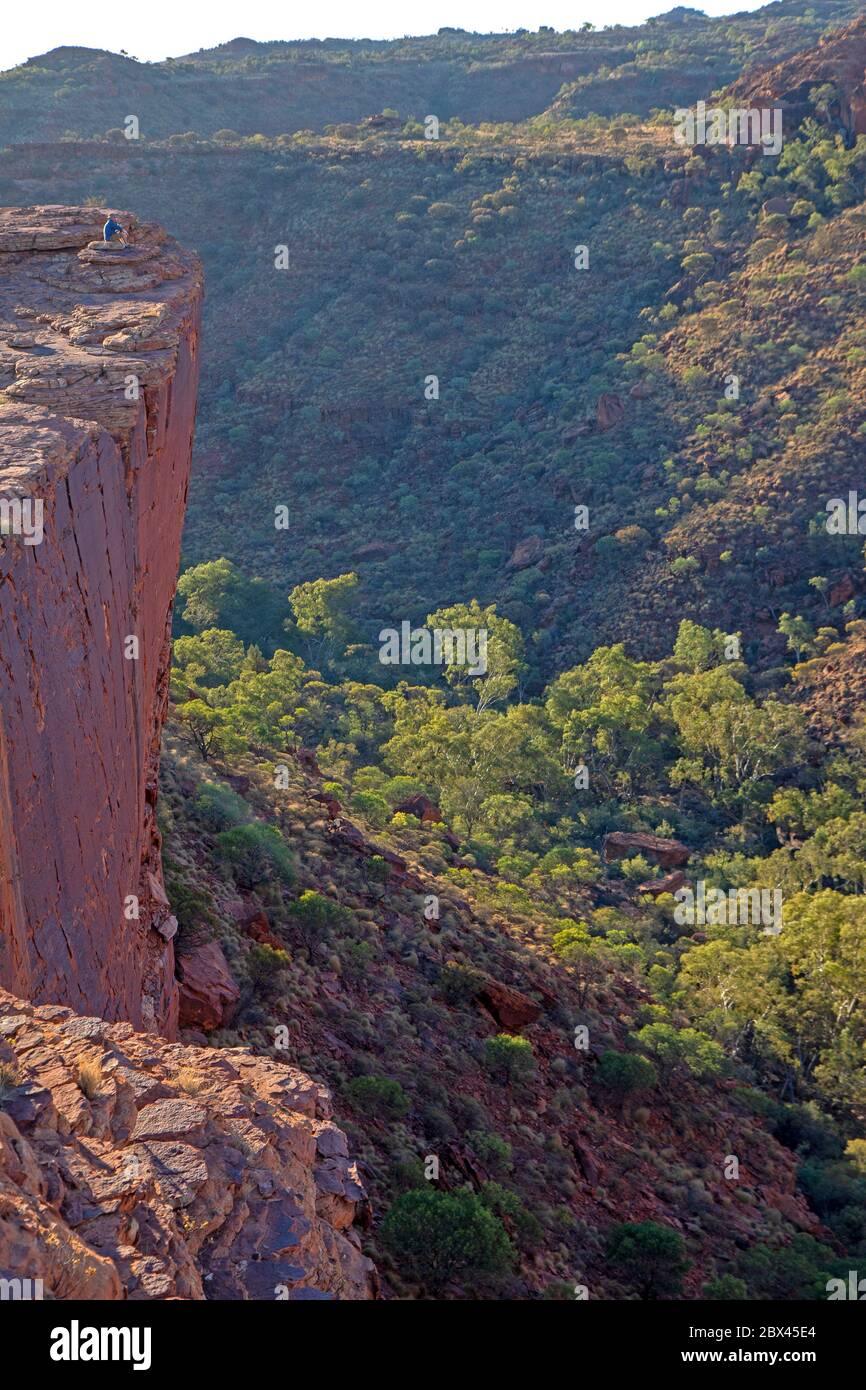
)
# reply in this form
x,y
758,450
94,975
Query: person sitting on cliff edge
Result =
x,y
113,232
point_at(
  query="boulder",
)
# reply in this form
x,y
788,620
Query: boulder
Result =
x,y
669,884
669,854
777,205
256,925
609,410
208,993
509,1008
842,591
527,552
422,808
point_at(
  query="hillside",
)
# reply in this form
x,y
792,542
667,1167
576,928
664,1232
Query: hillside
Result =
x,y
277,88
556,385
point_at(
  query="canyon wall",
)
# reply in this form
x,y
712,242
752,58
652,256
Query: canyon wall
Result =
x,y
98,375
131,1166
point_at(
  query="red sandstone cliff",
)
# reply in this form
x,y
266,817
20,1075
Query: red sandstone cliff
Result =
x,y
98,374
130,1166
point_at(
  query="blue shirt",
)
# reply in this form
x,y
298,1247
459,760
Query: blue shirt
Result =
x,y
110,228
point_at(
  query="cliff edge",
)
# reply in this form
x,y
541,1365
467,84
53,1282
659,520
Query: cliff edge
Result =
x,y
98,378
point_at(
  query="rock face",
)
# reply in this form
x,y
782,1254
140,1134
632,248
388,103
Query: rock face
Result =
x,y
98,376
838,61
208,994
131,1167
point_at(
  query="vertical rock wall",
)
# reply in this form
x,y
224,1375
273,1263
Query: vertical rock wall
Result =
x,y
98,375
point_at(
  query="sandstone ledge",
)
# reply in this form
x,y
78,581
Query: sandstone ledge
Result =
x,y
88,330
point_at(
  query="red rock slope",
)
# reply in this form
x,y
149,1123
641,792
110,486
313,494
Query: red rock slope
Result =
x,y
838,60
98,375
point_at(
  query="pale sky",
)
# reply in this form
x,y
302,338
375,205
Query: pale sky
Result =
x,y
156,29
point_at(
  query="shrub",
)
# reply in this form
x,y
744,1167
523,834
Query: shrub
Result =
x,y
459,984
8,1079
373,807
509,1057
378,1096
494,1152
219,808
89,1077
798,1270
256,854
648,1257
266,965
314,915
437,1237
509,1208
625,1074
725,1289
442,212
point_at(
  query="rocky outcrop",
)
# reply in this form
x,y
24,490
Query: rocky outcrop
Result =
x,y
422,808
131,1167
527,552
669,854
837,66
670,883
509,1007
609,410
98,375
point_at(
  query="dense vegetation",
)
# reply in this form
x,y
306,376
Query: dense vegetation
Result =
x,y
682,747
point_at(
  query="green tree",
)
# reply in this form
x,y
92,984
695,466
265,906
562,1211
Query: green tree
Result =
x,y
217,594
650,1258
502,647
256,854
800,634
209,728
323,615
214,657
682,1050
438,1237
